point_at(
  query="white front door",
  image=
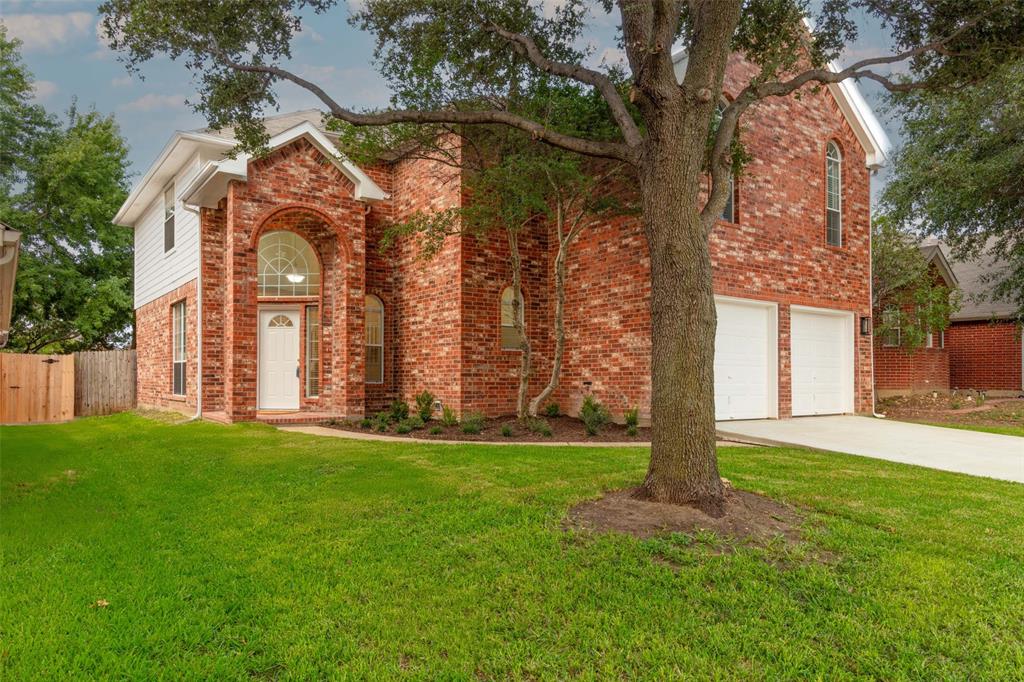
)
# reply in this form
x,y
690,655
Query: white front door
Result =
x,y
745,360
279,359
822,361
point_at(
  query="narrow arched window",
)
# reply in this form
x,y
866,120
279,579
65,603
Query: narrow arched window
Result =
x,y
287,266
374,340
729,211
510,338
834,194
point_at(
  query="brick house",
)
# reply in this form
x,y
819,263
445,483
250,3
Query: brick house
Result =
x,y
261,292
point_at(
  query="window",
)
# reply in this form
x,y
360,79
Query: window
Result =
x,y
891,320
280,321
929,340
287,266
168,218
510,338
374,340
942,339
834,195
178,348
729,212
312,351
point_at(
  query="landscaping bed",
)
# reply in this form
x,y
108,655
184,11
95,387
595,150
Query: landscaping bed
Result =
x,y
562,429
968,410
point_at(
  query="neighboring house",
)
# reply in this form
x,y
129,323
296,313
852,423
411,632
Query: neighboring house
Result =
x,y
984,337
9,242
899,371
261,292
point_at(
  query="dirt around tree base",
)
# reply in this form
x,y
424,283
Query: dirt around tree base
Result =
x,y
748,517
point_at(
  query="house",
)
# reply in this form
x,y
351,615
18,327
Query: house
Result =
x,y
261,293
984,339
899,371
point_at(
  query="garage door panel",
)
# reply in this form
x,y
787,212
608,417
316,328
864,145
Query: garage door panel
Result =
x,y
821,361
743,365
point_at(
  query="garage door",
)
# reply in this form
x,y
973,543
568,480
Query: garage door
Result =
x,y
822,361
745,360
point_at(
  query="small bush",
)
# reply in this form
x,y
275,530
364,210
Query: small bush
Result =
x,y
539,426
425,405
594,415
381,421
436,429
552,410
404,426
448,417
632,417
506,430
416,422
365,423
631,430
399,410
473,422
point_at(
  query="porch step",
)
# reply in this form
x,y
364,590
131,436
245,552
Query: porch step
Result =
x,y
296,417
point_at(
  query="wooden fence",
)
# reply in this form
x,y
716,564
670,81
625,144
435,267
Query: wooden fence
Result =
x,y
104,382
54,388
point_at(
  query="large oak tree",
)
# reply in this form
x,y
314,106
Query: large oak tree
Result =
x,y
467,62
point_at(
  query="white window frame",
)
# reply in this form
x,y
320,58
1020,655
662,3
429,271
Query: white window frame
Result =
x,y
312,351
834,159
380,345
503,326
886,341
179,347
169,223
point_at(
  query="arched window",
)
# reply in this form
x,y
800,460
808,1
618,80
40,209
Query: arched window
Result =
x,y
374,340
834,194
510,338
287,266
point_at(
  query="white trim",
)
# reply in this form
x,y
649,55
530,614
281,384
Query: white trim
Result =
x,y
849,352
773,347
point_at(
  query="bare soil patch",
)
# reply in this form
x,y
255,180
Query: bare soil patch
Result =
x,y
967,408
563,429
748,517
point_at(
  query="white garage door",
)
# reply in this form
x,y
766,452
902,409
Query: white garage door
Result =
x,y
822,361
746,353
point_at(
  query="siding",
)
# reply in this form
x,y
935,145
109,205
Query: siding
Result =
x,y
156,272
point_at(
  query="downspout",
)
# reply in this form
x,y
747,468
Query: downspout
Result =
x,y
871,301
199,313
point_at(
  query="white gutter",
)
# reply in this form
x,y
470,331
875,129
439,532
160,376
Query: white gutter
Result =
x,y
199,317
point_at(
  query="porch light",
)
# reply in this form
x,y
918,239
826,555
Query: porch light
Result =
x,y
865,326
295,278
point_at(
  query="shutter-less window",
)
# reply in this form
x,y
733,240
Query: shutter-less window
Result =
x,y
374,340
834,195
169,219
178,348
312,351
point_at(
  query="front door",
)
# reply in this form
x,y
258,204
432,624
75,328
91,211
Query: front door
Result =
x,y
279,359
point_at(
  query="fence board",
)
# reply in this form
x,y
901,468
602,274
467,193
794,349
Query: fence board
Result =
x,y
104,382
36,388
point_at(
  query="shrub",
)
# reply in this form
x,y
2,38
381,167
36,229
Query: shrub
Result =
x,y
403,426
381,421
448,417
425,405
506,430
632,417
594,415
539,426
365,423
631,430
416,422
473,422
399,410
436,429
552,410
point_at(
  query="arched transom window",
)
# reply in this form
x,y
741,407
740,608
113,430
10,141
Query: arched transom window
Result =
x,y
834,194
287,266
510,338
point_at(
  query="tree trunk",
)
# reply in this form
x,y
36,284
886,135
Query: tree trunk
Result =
x,y
683,467
519,321
556,361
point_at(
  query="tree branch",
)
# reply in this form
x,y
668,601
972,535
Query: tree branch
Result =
x,y
527,47
595,148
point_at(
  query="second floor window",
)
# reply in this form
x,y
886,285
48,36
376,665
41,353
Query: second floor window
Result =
x,y
834,195
168,218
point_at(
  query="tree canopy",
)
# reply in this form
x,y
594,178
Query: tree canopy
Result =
x,y
62,182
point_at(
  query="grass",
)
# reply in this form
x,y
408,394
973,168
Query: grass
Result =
x,y
1007,430
240,552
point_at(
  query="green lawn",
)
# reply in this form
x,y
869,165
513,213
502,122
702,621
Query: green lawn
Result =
x,y
238,552
1007,430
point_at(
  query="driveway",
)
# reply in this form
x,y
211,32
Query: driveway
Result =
x,y
966,452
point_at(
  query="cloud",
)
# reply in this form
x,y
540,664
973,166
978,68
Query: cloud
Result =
x,y
154,102
611,56
121,82
43,90
48,32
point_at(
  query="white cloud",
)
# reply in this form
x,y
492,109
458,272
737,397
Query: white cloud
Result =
x,y
154,102
47,32
43,90
121,82
611,56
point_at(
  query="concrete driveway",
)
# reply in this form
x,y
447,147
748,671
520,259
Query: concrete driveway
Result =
x,y
966,452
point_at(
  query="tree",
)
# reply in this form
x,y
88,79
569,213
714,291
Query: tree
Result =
x,y
958,175
904,289
466,62
62,184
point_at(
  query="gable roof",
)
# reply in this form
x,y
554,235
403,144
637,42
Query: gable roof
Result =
x,y
933,255
975,277
214,175
855,109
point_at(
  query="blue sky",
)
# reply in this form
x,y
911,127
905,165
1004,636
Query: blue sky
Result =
x,y
63,49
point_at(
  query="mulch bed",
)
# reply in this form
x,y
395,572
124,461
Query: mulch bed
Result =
x,y
748,517
563,429
955,408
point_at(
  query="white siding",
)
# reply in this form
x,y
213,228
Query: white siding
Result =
x,y
156,272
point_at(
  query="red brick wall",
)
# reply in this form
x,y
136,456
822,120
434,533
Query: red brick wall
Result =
x,y
984,355
897,371
154,345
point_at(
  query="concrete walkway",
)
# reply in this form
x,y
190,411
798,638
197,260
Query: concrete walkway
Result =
x,y
966,452
369,435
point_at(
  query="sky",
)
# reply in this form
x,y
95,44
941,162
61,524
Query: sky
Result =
x,y
64,50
